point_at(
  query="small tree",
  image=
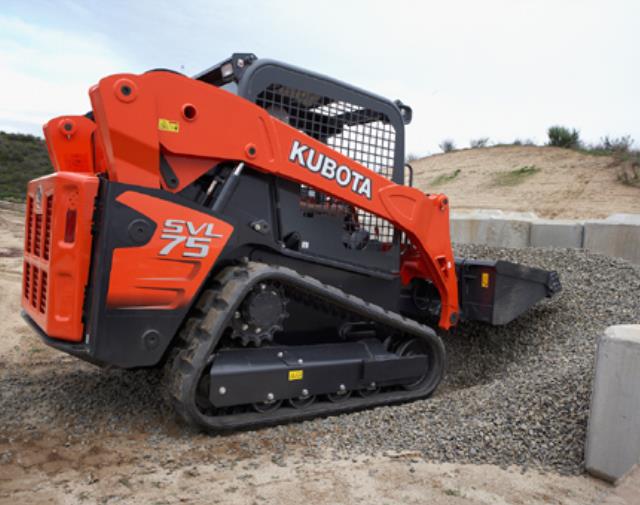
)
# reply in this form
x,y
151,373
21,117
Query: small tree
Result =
x,y
481,142
559,136
447,145
616,144
411,157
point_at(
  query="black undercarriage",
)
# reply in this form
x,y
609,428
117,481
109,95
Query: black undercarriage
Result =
x,y
218,385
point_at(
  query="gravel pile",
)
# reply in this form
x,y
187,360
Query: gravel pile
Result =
x,y
517,394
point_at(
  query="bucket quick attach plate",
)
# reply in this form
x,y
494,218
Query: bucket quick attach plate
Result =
x,y
497,292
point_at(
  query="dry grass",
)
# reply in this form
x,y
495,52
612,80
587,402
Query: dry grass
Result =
x,y
516,176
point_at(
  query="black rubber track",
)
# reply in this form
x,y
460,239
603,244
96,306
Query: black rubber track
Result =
x,y
200,336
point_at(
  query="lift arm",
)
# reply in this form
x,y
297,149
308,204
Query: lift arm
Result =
x,y
196,125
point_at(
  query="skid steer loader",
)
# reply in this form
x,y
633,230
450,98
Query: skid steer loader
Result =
x,y
249,229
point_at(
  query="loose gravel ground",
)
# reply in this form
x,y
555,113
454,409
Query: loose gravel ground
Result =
x,y
514,395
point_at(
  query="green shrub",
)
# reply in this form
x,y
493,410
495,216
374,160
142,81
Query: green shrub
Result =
x,y
559,136
447,145
411,157
516,176
525,142
22,158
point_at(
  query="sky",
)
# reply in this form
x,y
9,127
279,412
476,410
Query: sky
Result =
x,y
502,69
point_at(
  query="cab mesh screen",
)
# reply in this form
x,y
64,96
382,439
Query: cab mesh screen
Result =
x,y
364,135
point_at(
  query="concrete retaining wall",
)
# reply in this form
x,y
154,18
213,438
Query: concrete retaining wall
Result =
x,y
613,435
618,235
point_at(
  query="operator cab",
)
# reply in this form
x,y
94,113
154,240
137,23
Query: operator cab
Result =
x,y
365,127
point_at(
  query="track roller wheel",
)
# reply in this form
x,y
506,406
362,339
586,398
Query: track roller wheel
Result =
x,y
340,395
370,391
302,402
268,406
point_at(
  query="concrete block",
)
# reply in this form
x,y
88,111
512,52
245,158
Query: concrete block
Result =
x,y
493,213
613,434
618,235
490,231
624,219
556,233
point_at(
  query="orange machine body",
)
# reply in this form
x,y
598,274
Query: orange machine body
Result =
x,y
139,117
193,126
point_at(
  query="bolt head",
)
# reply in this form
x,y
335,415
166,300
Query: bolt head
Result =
x,y
305,393
237,314
270,397
342,388
245,327
258,330
280,354
257,227
300,361
222,390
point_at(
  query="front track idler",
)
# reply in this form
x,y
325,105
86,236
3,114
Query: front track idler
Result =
x,y
214,407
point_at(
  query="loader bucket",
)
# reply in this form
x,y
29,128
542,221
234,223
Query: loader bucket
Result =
x,y
497,292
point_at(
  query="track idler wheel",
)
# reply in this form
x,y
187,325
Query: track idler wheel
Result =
x,y
415,347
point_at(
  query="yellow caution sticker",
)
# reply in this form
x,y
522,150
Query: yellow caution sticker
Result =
x,y
166,125
295,375
484,280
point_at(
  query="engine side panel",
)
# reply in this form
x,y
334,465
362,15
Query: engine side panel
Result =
x,y
146,271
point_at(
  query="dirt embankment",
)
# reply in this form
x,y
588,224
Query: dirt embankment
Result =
x,y
550,181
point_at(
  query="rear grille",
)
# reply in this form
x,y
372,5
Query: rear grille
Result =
x,y
57,252
38,246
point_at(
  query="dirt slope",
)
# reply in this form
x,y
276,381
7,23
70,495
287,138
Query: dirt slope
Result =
x,y
561,183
